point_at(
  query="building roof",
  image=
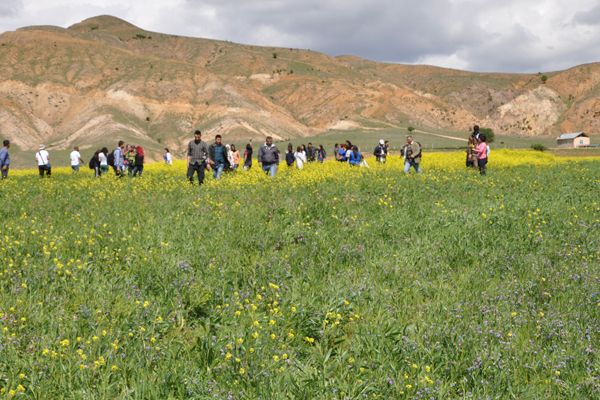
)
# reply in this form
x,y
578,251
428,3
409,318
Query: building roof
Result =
x,y
568,136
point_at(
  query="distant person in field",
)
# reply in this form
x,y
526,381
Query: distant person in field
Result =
x,y
412,155
119,159
340,155
290,155
236,157
471,154
311,153
300,158
130,159
94,163
138,167
5,158
43,160
248,157
167,157
197,156
354,157
229,166
268,157
321,154
218,157
380,151
482,151
476,132
76,160
103,158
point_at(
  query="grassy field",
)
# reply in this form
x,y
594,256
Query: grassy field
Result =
x,y
327,283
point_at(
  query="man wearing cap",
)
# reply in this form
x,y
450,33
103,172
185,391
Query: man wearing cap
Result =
x,y
5,158
196,156
43,160
380,151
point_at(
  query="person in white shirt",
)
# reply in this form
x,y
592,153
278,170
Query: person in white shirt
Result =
x,y
300,157
168,157
76,160
43,160
103,158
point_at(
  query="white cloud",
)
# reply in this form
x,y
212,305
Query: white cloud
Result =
x,y
482,35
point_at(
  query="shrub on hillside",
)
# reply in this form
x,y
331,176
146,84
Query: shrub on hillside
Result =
x,y
489,134
539,147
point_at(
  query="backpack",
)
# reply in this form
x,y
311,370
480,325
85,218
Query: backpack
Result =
x,y
93,161
111,158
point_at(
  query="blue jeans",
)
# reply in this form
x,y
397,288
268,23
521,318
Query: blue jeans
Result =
x,y
218,170
411,163
270,169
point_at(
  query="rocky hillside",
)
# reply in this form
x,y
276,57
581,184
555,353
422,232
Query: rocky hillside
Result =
x,y
104,79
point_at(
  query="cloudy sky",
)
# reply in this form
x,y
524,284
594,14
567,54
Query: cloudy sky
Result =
x,y
477,35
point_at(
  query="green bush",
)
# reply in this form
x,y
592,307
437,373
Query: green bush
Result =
x,y
539,147
489,134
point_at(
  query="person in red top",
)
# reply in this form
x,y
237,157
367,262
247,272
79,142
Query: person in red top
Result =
x,y
482,154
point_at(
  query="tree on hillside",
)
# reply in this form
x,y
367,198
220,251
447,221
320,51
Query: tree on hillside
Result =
x,y
489,134
544,78
410,129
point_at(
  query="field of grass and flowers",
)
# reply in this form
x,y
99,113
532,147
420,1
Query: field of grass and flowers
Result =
x,y
325,283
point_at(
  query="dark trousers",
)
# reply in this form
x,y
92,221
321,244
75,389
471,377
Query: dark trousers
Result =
x,y
44,169
5,173
138,169
481,163
199,168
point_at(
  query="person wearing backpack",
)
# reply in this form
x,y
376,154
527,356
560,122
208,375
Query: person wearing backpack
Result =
x,y
43,160
94,163
412,155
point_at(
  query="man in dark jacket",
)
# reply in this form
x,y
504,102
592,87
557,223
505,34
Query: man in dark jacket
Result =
x,y
197,155
268,156
311,152
217,157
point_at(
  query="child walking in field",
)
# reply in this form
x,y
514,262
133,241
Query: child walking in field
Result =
x,y
482,154
300,157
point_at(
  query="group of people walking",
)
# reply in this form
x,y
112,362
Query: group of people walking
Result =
x,y
125,159
219,158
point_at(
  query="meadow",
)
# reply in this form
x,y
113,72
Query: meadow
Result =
x,y
327,283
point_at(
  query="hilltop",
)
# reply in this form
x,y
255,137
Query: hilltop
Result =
x,y
104,79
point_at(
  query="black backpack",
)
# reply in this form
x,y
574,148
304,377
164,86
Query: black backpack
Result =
x,y
93,161
111,158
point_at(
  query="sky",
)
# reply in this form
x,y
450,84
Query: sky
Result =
x,y
475,35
